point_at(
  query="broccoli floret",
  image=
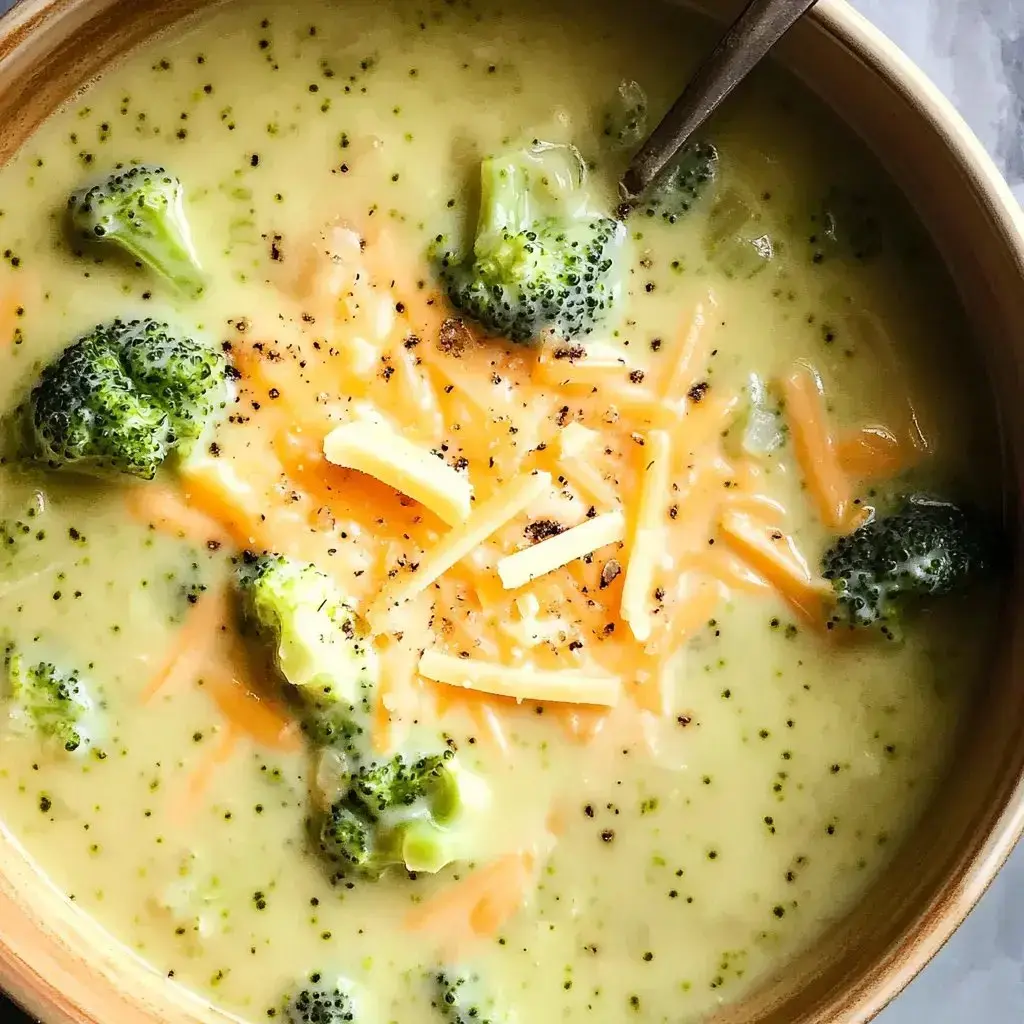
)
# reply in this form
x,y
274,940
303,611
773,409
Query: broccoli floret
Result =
x,y
691,180
926,549
319,643
625,120
345,839
368,813
461,999
387,785
399,812
50,700
544,260
123,397
140,209
319,1001
335,725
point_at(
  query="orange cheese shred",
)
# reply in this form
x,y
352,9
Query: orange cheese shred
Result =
x,y
775,556
266,722
200,778
815,446
688,616
479,904
690,355
875,453
205,620
703,424
221,493
162,508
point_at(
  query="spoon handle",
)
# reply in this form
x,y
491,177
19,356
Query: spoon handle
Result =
x,y
751,36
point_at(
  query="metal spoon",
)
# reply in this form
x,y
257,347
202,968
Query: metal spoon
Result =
x,y
750,37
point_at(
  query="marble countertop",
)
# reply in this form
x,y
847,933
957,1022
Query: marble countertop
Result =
x,y
974,51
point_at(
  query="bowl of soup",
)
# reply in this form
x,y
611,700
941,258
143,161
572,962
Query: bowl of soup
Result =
x,y
432,593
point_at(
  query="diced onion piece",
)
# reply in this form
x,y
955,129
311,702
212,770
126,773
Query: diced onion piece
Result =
x,y
762,425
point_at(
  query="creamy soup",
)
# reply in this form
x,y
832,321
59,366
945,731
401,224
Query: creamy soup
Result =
x,y
580,570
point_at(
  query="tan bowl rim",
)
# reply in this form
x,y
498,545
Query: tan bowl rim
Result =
x,y
885,59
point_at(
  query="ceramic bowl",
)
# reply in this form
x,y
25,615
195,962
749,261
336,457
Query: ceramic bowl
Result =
x,y
64,968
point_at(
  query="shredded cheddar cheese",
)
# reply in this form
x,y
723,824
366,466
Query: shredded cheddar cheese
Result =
x,y
381,452
774,555
575,440
636,457
816,446
519,569
505,504
648,535
690,357
522,683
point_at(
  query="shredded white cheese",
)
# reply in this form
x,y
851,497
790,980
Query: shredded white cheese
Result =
x,y
518,569
383,453
649,536
530,628
575,440
488,517
522,683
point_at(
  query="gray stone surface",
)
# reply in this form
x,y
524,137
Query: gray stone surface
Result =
x,y
974,51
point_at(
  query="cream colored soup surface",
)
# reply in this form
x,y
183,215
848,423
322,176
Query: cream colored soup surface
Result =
x,y
672,854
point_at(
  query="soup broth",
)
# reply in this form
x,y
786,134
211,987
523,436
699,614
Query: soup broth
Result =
x,y
728,784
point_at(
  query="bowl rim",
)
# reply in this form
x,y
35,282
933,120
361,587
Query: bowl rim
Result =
x,y
845,26
961,893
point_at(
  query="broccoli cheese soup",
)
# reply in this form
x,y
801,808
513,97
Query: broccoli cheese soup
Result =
x,y
433,593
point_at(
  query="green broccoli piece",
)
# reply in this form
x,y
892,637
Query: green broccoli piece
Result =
x,y
461,999
691,180
334,725
345,840
926,549
399,812
52,701
318,1001
387,785
140,209
544,261
370,813
123,397
319,643
625,120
